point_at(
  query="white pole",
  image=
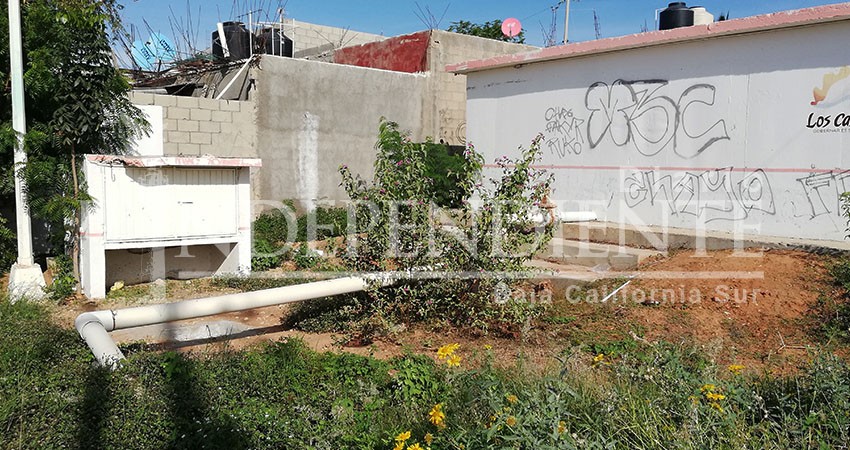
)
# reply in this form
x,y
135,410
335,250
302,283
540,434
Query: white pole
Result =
x,y
251,33
19,124
567,22
25,278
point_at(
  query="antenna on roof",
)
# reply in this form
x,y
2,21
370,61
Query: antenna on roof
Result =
x,y
428,18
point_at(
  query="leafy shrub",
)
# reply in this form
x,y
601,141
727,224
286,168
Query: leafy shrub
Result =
x,y
8,246
273,227
276,232
64,285
498,236
445,168
267,256
306,258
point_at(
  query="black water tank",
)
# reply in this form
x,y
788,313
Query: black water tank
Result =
x,y
273,42
676,15
238,41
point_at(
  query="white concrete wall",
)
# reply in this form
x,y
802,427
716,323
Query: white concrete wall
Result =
x,y
714,131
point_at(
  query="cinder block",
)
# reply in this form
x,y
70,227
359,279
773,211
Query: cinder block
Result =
x,y
247,106
209,103
230,105
210,127
190,149
244,118
177,113
165,100
170,124
171,148
201,138
201,114
222,116
141,98
187,125
187,102
178,137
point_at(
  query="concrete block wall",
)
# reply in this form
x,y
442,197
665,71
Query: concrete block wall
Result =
x,y
313,117
198,126
309,36
448,110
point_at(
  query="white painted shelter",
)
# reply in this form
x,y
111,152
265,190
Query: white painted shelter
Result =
x,y
160,216
736,126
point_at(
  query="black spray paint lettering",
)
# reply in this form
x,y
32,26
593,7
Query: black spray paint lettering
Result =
x,y
823,191
563,132
711,195
638,113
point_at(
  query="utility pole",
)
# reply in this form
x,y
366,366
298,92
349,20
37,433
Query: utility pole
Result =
x,y
566,22
25,279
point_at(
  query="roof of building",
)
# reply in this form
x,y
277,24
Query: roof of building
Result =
x,y
754,24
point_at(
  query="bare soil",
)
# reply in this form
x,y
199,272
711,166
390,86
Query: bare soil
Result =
x,y
752,310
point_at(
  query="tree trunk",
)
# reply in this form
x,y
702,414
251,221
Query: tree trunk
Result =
x,y
75,232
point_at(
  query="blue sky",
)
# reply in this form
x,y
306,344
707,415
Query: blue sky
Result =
x,y
393,17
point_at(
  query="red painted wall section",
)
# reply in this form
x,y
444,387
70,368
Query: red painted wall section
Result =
x,y
408,53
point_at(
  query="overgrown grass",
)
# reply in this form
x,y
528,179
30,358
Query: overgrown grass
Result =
x,y
284,395
832,310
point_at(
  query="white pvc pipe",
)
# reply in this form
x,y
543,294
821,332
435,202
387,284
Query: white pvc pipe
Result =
x,y
577,216
94,326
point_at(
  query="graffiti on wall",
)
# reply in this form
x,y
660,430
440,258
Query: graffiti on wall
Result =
x,y
563,132
717,194
642,114
645,115
823,191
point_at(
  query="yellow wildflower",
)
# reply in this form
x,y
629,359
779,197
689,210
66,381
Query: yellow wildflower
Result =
x,y
562,427
447,350
403,436
399,445
437,416
708,388
510,421
717,406
415,446
429,438
453,361
736,369
598,358
511,398
488,347
714,397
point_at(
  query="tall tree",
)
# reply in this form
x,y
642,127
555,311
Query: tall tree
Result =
x,y
489,30
76,103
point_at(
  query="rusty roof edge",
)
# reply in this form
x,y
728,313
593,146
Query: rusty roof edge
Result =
x,y
754,24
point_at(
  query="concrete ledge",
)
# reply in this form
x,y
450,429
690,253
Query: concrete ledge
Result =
x,y
664,239
592,254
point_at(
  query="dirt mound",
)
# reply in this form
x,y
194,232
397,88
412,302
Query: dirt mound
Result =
x,y
752,308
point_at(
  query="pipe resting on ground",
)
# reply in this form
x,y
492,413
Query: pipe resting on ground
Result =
x,y
94,327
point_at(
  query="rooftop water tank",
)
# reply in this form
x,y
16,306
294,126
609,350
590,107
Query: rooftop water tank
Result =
x,y
273,42
701,16
676,15
237,39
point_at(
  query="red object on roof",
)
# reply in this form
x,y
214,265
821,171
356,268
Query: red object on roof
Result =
x,y
765,22
408,53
